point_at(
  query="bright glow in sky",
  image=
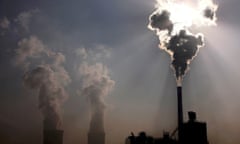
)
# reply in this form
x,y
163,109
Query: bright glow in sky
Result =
x,y
185,15
172,21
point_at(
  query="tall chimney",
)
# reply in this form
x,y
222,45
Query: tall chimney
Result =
x,y
180,113
52,135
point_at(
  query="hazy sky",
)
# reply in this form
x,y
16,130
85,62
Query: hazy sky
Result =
x,y
115,34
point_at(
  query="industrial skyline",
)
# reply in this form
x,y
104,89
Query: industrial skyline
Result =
x,y
111,37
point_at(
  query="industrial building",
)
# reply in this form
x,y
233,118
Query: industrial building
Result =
x,y
193,132
190,132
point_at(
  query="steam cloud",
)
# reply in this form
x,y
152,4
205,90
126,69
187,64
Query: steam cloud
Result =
x,y
24,18
48,79
172,21
96,85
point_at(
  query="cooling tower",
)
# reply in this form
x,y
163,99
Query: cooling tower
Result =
x,y
51,135
96,138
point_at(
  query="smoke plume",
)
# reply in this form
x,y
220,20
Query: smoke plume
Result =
x,y
28,48
49,79
172,21
24,18
4,23
96,85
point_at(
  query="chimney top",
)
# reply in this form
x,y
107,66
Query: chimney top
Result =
x,y
192,116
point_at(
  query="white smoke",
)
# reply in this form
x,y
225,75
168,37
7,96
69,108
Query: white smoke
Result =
x,y
24,18
30,47
48,78
96,84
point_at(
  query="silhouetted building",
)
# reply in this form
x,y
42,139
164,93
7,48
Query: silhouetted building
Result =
x,y
96,138
142,138
165,140
194,132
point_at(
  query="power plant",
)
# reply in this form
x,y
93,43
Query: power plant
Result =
x,y
172,22
182,45
190,132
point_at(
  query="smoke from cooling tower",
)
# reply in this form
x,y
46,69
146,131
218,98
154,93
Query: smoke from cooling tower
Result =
x,y
96,84
48,79
172,21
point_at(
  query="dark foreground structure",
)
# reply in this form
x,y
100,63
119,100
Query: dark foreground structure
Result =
x,y
52,137
192,132
180,112
96,138
142,138
51,134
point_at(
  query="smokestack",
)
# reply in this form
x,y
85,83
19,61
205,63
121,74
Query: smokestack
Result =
x,y
51,135
180,113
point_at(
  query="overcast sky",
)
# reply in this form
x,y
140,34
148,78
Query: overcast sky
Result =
x,y
115,34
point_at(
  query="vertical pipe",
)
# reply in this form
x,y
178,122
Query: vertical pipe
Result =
x,y
180,113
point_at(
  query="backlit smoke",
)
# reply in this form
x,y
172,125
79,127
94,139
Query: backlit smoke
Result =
x,y
172,21
49,79
96,84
